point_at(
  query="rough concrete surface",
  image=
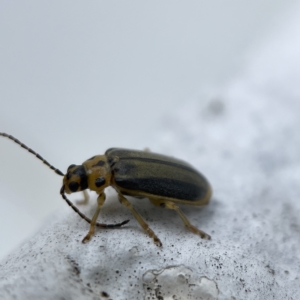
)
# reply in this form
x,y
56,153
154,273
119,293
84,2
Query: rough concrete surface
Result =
x,y
245,139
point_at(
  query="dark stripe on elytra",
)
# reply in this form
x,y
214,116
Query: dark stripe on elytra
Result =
x,y
164,187
80,171
99,181
100,163
161,162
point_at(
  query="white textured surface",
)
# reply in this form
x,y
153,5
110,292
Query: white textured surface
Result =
x,y
246,140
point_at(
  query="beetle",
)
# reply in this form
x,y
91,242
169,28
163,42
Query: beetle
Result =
x,y
164,180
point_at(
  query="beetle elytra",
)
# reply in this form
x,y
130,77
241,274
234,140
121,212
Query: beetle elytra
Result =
x,y
164,180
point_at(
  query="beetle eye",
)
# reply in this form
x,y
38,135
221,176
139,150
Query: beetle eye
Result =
x,y
73,186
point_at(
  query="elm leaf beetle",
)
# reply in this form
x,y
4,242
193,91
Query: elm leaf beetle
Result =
x,y
164,180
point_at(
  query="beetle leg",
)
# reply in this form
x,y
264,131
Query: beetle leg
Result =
x,y
139,218
85,199
91,232
171,205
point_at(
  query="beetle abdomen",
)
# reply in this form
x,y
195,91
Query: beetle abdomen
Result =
x,y
155,174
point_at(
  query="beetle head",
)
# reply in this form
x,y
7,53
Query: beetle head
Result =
x,y
75,180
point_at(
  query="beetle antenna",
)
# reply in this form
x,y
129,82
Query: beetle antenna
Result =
x,y
62,192
57,171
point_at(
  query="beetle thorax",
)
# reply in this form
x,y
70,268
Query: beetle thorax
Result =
x,y
98,173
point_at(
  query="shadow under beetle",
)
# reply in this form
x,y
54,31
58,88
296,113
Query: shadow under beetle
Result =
x,y
164,180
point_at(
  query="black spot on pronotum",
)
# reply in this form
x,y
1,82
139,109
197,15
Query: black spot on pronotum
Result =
x,y
100,163
73,186
99,181
68,175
